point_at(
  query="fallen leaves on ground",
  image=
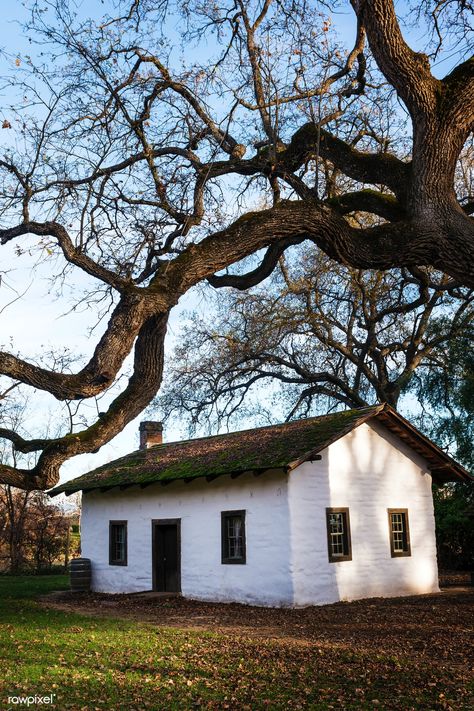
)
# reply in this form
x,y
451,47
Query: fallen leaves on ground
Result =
x,y
155,653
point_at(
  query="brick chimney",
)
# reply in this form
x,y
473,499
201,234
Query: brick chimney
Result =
x,y
150,433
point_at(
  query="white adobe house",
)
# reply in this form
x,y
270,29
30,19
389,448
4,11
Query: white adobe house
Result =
x,y
305,513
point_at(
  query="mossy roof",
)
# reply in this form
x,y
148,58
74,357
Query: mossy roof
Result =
x,y
278,446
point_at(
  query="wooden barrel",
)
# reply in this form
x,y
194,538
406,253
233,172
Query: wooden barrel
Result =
x,y
80,570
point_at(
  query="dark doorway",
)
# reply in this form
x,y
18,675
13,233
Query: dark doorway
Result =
x,y
166,551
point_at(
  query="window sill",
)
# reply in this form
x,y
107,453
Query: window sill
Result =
x,y
339,558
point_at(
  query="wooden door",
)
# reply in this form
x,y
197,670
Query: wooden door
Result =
x,y
166,555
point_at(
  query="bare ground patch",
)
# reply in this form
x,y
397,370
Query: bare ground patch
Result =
x,y
399,654
436,627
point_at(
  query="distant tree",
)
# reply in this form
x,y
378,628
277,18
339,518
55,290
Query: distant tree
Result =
x,y
445,388
315,336
14,527
454,515
34,531
48,528
150,171
13,502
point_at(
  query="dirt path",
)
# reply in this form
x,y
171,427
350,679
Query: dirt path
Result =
x,y
432,626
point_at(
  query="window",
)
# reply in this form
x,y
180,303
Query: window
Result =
x,y
117,543
399,533
339,535
233,536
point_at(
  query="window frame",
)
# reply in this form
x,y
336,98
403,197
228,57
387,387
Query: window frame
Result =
x,y
347,534
112,560
407,550
225,560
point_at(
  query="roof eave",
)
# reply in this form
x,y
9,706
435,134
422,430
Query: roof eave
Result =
x,y
163,481
443,468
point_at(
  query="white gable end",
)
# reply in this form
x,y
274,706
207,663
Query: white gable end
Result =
x,y
368,471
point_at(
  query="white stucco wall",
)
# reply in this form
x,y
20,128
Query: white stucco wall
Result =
x,y
264,579
368,471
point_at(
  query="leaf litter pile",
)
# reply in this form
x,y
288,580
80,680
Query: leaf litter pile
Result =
x,y
397,654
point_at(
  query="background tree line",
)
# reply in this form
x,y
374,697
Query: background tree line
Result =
x,y
36,536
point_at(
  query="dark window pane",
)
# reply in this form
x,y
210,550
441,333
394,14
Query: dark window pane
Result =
x,y
336,534
233,536
338,530
399,534
118,543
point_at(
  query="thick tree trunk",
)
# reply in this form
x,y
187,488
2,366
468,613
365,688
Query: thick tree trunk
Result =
x,y
424,223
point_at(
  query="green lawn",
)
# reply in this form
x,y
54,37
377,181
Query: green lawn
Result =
x,y
96,663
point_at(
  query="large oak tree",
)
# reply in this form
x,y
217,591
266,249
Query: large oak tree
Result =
x,y
318,335
152,168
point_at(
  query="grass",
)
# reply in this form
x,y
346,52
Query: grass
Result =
x,y
30,586
94,663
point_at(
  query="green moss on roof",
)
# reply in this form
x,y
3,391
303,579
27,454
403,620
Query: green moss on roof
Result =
x,y
271,447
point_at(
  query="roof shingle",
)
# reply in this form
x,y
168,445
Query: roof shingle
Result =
x,y
275,446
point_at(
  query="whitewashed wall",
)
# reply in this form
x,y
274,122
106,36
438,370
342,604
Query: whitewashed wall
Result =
x,y
368,471
265,578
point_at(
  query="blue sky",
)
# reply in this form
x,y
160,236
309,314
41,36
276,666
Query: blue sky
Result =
x,y
38,320
41,321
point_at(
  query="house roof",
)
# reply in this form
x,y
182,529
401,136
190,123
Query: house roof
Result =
x,y
282,446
